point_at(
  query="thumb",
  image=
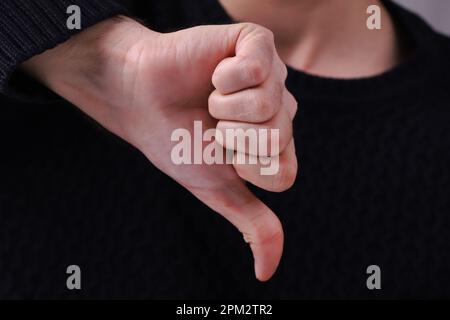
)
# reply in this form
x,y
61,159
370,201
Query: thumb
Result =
x,y
260,227
250,48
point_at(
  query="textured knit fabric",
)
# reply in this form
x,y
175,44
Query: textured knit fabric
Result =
x,y
373,189
28,28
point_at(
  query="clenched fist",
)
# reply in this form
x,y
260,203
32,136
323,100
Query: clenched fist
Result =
x,y
142,85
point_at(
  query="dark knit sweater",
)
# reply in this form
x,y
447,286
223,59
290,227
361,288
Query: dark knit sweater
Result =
x,y
373,186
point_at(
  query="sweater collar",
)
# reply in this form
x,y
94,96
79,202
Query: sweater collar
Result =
x,y
403,77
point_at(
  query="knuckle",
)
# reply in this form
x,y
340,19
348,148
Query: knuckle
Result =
x,y
249,25
284,71
265,228
285,178
267,34
254,71
292,105
267,41
133,56
259,29
295,107
295,102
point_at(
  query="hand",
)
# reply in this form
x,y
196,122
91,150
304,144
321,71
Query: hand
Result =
x,y
142,85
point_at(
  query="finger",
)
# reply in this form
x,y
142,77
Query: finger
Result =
x,y
255,105
258,139
283,171
252,63
259,225
290,104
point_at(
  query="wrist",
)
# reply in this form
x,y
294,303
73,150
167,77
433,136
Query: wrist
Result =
x,y
76,68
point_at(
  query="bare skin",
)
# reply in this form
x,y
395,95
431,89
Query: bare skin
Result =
x,y
142,85
325,37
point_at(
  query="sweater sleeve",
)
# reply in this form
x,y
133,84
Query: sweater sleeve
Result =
x,y
30,27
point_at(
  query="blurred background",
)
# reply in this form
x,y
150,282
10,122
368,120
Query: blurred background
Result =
x,y
436,12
